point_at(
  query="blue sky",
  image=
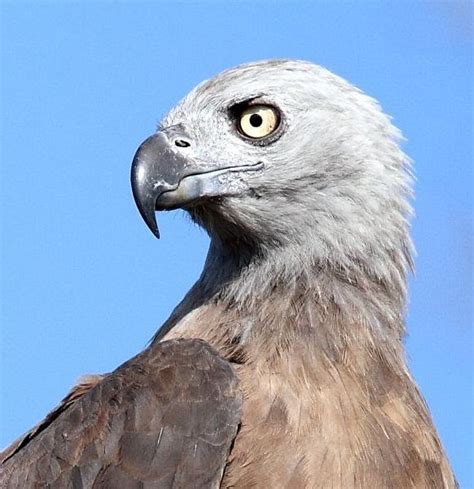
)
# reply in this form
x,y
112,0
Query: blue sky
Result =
x,y
85,284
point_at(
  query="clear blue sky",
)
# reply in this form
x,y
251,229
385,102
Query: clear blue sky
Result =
x,y
85,284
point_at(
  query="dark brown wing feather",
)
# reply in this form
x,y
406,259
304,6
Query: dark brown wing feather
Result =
x,y
164,419
81,388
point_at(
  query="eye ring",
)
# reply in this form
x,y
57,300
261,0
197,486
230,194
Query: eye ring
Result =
x,y
258,121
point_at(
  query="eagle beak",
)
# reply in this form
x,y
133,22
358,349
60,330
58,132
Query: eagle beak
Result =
x,y
167,173
156,169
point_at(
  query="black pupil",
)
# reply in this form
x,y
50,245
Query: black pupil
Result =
x,y
256,120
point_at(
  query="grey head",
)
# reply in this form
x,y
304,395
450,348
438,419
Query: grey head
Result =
x,y
283,154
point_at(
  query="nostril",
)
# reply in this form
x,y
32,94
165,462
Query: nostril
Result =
x,y
182,143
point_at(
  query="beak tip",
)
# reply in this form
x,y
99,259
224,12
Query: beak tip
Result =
x,y
145,202
150,220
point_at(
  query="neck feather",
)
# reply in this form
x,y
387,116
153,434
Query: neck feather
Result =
x,y
282,297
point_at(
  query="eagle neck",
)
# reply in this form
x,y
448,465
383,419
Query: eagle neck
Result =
x,y
286,297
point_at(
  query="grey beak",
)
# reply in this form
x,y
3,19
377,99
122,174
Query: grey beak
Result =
x,y
156,169
167,175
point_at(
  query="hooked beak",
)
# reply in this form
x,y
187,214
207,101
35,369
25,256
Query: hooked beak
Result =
x,y
155,170
166,176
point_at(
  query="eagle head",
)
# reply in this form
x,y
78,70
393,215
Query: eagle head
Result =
x,y
278,153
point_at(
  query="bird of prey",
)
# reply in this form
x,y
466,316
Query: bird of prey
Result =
x,y
284,365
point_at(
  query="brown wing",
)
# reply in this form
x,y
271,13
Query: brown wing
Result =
x,y
164,419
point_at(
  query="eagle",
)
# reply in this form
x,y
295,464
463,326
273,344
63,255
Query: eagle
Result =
x,y
284,365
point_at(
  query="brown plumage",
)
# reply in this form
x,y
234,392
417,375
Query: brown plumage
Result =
x,y
299,180
331,409
166,418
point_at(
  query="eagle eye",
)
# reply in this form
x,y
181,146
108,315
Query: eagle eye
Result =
x,y
258,121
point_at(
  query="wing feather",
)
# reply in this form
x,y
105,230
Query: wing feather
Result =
x,y
164,419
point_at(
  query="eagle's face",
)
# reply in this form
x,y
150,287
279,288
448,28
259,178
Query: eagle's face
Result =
x,y
274,151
